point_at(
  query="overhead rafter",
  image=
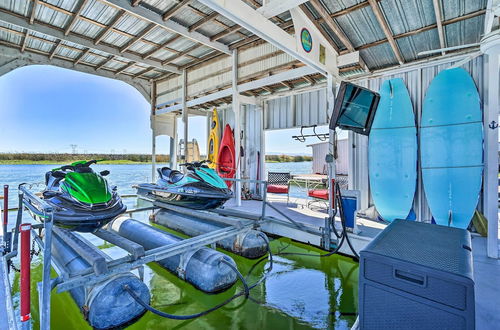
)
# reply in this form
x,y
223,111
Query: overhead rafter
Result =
x,y
111,25
80,57
332,24
242,14
104,62
139,74
33,11
175,9
153,17
125,67
225,32
54,50
76,16
141,35
162,46
25,40
246,41
20,21
274,8
243,87
309,80
34,56
439,23
203,21
183,53
424,29
309,15
387,31
136,3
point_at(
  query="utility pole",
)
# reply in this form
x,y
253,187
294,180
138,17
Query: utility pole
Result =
x,y
73,148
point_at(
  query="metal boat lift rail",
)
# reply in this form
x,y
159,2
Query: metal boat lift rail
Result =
x,y
134,260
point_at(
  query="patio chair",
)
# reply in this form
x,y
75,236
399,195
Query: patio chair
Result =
x,y
279,183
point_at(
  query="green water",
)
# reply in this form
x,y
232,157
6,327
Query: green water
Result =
x,y
300,292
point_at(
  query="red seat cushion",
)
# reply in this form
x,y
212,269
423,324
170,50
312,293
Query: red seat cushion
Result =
x,y
319,193
277,189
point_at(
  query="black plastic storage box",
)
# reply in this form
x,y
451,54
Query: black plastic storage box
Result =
x,y
415,275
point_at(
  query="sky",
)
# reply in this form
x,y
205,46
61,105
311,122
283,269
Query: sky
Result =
x,y
47,109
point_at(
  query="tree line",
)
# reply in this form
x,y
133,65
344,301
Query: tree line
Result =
x,y
139,158
69,157
287,158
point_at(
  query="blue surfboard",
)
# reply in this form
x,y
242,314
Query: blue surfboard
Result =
x,y
451,147
392,152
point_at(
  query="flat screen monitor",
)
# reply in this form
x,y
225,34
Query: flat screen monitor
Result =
x,y
354,108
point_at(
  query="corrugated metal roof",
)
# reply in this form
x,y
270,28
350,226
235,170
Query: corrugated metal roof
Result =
x,y
404,16
360,26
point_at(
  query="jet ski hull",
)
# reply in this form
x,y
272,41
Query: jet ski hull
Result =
x,y
199,201
80,219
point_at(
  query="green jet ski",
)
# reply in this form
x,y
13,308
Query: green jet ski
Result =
x,y
81,198
201,188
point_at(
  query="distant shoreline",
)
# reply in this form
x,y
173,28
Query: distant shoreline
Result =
x,y
106,162
122,159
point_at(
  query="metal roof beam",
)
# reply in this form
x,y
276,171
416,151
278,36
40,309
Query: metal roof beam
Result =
x,y
139,74
153,17
387,31
256,84
32,58
276,7
247,17
175,9
162,46
203,21
111,25
138,37
33,11
54,50
10,18
321,10
439,23
75,17
104,62
80,57
183,53
25,40
492,10
125,67
318,26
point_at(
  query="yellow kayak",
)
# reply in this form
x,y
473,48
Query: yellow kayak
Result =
x,y
213,140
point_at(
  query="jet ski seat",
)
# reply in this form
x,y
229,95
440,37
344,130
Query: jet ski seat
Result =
x,y
171,176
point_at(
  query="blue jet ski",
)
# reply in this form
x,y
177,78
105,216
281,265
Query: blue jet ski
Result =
x,y
201,188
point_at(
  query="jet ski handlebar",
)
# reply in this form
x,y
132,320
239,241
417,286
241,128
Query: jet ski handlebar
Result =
x,y
195,164
78,165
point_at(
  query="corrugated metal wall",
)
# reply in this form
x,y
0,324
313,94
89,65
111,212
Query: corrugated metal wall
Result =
x,y
303,109
252,133
217,74
320,150
417,81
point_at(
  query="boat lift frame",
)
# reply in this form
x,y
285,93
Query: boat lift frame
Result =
x,y
236,222
64,282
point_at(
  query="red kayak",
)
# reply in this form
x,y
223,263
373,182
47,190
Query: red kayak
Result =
x,y
226,161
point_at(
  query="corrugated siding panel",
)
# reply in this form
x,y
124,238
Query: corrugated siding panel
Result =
x,y
279,113
218,73
252,131
298,110
417,82
320,150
